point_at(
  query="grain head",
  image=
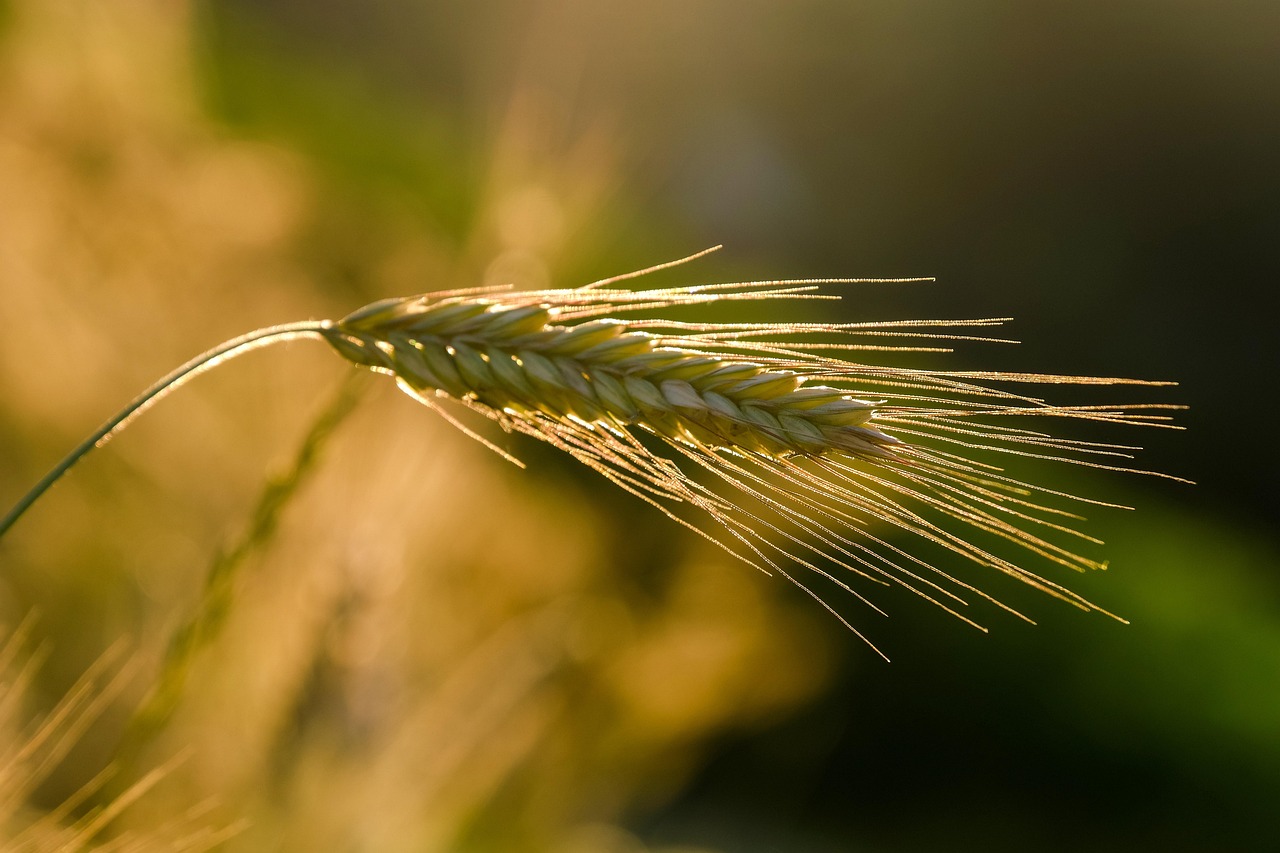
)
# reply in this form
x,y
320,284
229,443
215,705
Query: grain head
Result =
x,y
767,439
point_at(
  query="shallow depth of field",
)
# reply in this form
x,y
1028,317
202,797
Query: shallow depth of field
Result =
x,y
313,616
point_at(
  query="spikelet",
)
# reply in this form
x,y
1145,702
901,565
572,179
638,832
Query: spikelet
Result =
x,y
797,455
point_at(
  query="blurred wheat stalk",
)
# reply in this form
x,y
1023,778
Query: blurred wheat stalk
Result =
x,y
30,750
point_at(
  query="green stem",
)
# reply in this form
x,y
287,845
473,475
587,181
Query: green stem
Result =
x,y
197,365
212,609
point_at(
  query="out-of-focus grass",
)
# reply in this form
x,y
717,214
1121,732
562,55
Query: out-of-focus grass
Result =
x,y
438,652
434,650
255,79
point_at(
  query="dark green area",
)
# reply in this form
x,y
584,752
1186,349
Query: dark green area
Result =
x,y
380,148
1076,733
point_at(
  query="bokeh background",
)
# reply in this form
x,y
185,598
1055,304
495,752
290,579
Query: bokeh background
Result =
x,y
389,640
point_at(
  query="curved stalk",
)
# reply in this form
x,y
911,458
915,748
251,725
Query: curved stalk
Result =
x,y
139,404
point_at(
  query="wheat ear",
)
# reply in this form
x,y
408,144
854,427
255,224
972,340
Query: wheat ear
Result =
x,y
799,455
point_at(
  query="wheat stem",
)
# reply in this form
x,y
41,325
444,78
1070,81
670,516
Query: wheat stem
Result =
x,y
118,421
204,626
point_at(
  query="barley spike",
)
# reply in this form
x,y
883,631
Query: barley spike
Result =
x,y
800,456
510,357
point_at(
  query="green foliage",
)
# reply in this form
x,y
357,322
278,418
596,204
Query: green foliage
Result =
x,y
260,82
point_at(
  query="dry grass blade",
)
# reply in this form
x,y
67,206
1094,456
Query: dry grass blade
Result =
x,y
31,751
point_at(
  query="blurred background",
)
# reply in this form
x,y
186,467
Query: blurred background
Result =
x,y
340,625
